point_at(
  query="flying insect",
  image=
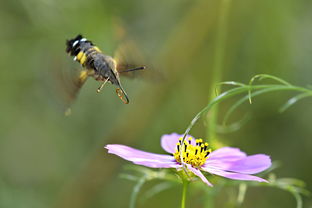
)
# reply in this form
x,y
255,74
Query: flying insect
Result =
x,y
101,67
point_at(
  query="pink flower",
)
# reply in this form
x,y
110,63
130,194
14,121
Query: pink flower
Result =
x,y
228,162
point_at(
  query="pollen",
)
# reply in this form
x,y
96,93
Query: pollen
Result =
x,y
193,154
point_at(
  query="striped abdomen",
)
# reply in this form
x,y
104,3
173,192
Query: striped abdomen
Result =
x,y
82,49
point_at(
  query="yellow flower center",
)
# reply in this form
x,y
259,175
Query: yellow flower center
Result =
x,y
195,155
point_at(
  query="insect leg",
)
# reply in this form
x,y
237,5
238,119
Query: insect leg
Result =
x,y
122,95
101,86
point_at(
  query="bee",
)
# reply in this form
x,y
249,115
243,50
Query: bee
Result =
x,y
101,67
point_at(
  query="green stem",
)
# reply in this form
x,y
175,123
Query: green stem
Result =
x,y
185,186
135,191
218,65
241,194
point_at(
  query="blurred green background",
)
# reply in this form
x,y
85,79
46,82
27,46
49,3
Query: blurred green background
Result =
x,y
49,160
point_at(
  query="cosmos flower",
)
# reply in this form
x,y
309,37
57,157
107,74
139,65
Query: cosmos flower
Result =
x,y
227,162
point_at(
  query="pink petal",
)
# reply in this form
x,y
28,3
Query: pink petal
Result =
x,y
249,165
169,141
227,154
199,174
235,164
236,176
232,159
142,158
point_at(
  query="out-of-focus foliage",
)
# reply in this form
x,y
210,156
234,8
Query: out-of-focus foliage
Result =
x,y
48,160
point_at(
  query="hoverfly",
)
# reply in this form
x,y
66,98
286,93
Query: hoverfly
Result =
x,y
101,67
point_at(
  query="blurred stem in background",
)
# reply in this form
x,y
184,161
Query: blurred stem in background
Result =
x,y
212,116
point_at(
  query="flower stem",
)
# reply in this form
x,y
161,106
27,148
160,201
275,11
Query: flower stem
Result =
x,y
185,186
241,194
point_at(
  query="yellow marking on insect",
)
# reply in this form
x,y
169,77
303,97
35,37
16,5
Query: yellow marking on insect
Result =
x,y
83,59
79,55
83,75
97,49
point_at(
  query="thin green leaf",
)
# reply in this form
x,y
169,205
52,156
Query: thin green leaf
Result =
x,y
234,126
293,100
156,189
216,100
265,76
233,83
245,98
128,177
151,174
292,185
236,91
292,181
